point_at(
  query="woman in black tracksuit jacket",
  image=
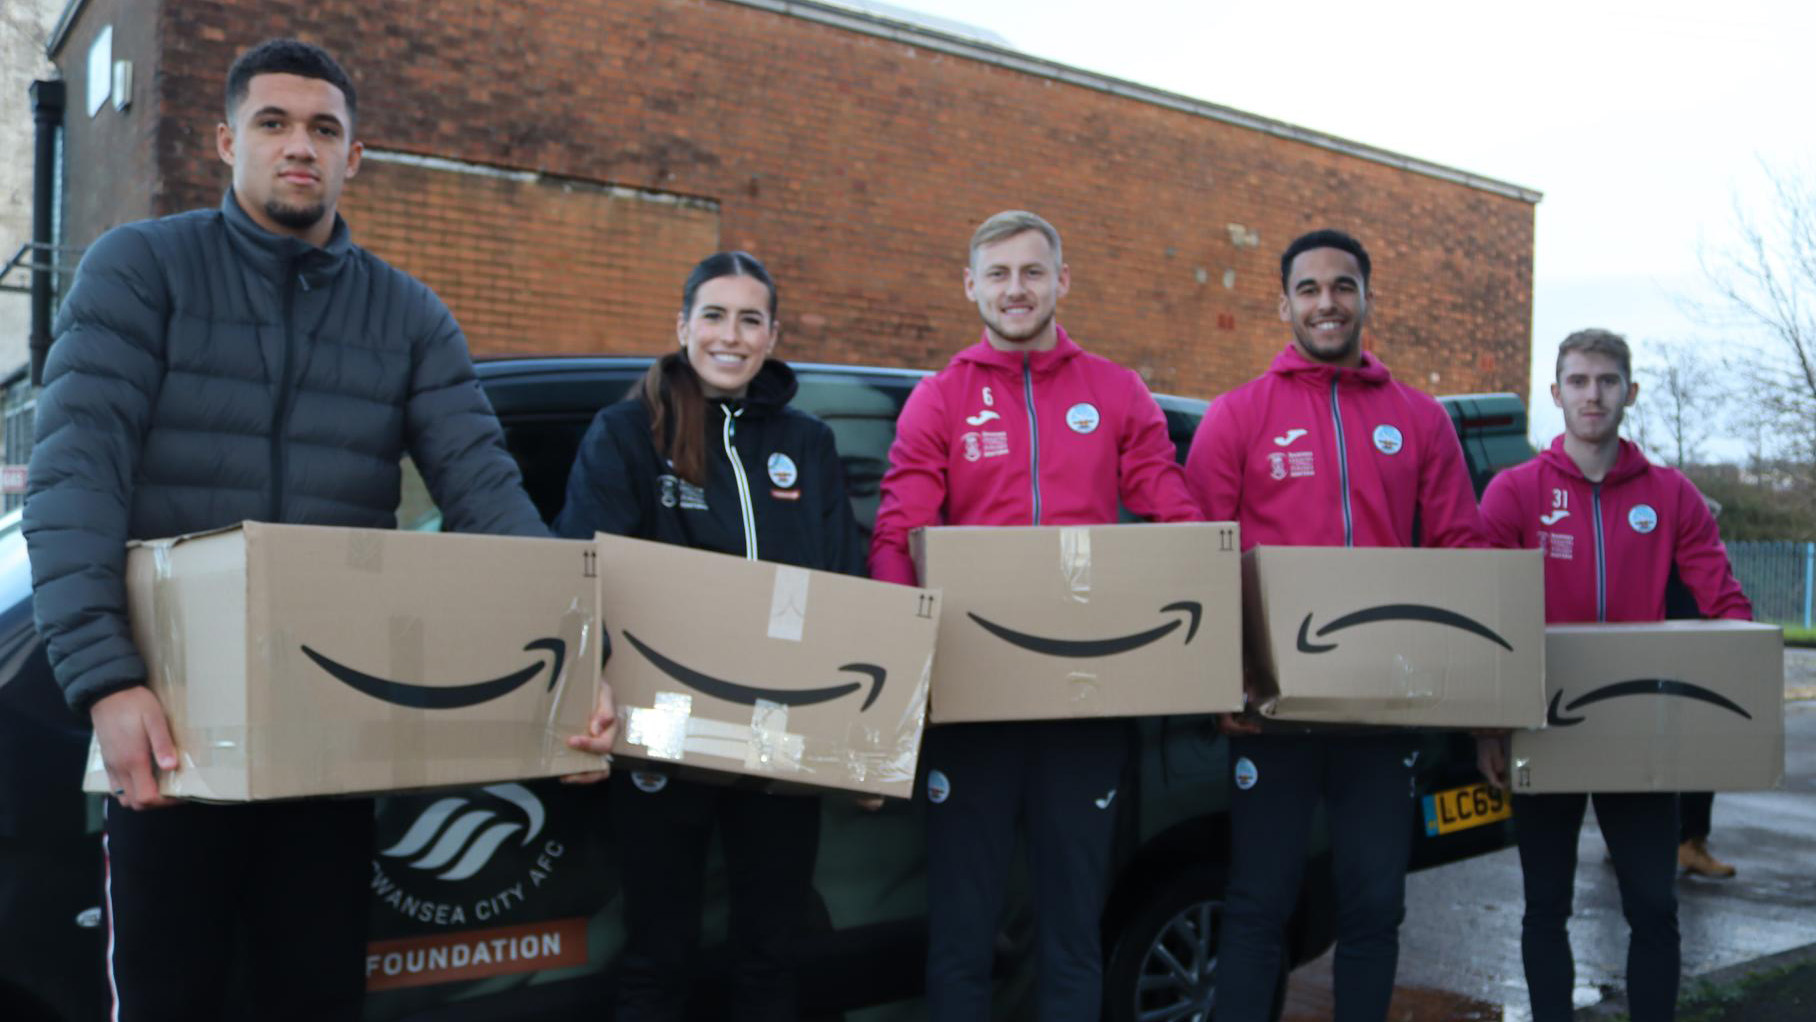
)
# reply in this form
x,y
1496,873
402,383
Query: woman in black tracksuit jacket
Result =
x,y
708,454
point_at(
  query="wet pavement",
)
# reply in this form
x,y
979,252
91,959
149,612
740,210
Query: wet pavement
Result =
x,y
1460,945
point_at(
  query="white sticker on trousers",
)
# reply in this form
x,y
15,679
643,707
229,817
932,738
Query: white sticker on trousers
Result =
x,y
1246,774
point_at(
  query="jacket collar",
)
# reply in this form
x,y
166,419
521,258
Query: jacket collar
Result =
x,y
277,255
770,390
1041,362
1630,462
1292,364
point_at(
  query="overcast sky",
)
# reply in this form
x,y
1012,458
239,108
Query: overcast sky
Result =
x,y
1640,122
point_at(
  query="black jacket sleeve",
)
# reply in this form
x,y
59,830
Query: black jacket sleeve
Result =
x,y
608,489
844,544
455,438
100,385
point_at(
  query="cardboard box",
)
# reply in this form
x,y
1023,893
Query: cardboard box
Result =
x,y
762,669
1410,637
300,660
1662,706
1088,621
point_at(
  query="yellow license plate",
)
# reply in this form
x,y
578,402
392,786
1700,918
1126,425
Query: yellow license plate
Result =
x,y
1462,808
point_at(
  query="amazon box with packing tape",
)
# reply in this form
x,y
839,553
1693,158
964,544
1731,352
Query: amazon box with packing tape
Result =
x,y
1410,637
302,660
766,670
1659,706
1052,622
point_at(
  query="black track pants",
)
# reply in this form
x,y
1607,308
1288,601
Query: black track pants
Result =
x,y
283,887
1694,809
1057,780
664,827
1365,781
1641,832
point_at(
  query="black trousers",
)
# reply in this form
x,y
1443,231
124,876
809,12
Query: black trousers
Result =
x,y
1365,781
1641,832
267,901
1694,809
1057,780
663,828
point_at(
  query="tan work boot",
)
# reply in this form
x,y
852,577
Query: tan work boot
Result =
x,y
1693,855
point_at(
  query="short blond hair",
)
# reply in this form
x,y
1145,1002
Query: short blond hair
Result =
x,y
1596,341
1008,224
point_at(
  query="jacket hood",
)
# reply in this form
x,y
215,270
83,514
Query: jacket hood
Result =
x,y
1293,364
1042,362
276,255
1629,463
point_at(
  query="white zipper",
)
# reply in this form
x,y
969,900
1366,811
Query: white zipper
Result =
x,y
1336,416
1601,557
737,471
1033,431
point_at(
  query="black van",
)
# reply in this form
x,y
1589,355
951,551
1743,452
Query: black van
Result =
x,y
529,927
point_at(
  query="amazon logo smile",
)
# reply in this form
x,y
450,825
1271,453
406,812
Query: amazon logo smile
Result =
x,y
1638,687
1395,612
445,697
1191,610
733,692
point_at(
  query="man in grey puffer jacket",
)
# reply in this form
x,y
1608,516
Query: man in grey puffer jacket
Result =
x,y
249,362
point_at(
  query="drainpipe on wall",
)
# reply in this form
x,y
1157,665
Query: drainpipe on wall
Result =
x,y
47,112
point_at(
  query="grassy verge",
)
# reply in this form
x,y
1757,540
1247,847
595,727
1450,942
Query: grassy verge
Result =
x,y
1785,992
1799,636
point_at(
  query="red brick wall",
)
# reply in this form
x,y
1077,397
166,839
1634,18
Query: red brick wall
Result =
x,y
539,265
857,167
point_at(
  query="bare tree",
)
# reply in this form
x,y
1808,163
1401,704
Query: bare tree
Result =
x,y
1682,403
1766,280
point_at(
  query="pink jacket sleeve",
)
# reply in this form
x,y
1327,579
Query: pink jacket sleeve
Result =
x,y
1702,560
1152,483
1213,467
1500,514
914,488
1447,507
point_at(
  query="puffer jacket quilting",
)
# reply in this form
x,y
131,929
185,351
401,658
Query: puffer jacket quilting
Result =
x,y
207,372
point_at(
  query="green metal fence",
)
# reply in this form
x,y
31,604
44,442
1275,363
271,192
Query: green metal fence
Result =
x,y
1779,578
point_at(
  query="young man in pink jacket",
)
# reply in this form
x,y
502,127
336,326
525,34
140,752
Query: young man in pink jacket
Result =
x,y
1612,526
1324,449
1021,428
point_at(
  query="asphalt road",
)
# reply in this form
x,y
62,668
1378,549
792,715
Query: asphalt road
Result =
x,y
1460,945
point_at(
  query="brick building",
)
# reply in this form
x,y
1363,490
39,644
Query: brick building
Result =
x,y
553,167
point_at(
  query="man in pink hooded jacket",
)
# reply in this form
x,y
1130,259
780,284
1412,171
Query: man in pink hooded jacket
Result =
x,y
1613,527
1324,449
1021,428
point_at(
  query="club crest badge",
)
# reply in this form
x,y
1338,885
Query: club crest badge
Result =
x,y
1083,417
782,470
1642,518
1388,440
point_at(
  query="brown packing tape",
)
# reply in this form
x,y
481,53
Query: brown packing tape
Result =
x,y
170,682
788,603
1075,562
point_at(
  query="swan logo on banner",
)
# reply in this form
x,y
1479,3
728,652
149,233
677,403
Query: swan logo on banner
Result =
x,y
475,857
455,837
